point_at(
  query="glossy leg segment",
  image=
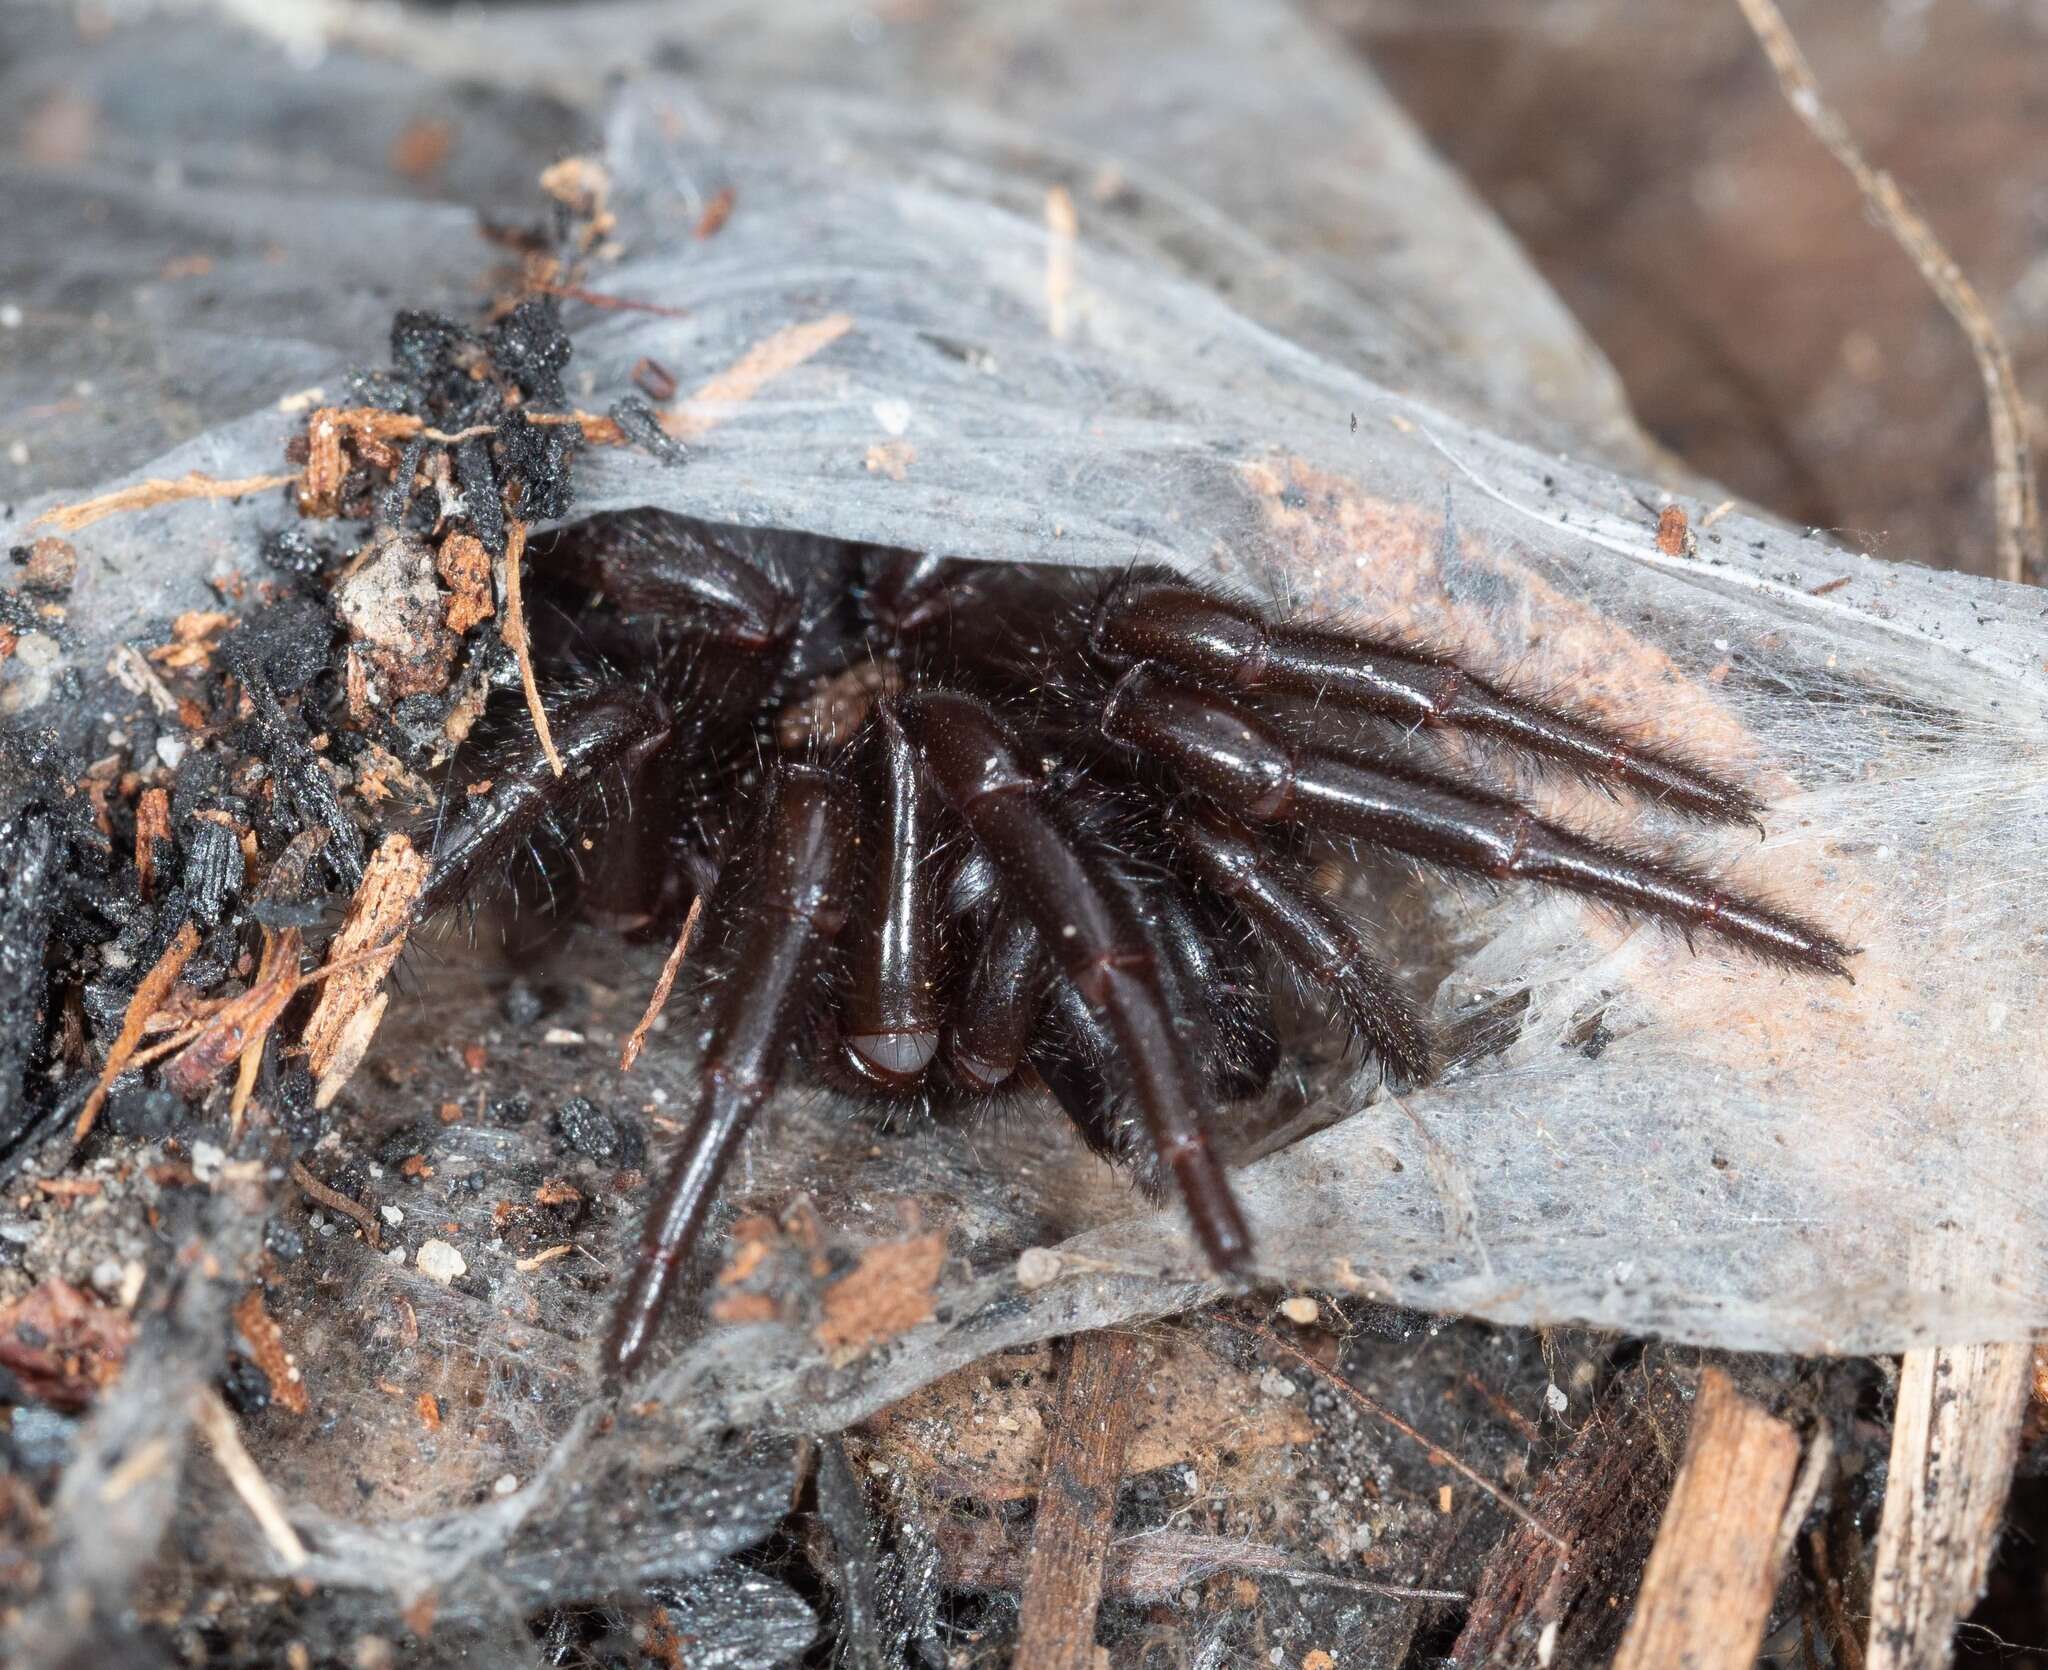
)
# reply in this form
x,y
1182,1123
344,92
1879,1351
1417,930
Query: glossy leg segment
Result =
x,y
992,1024
889,1017
1313,938
1249,768
593,734
1231,646
782,899
648,562
1090,932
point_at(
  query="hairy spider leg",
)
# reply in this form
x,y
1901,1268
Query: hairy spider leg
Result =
x,y
992,1024
740,624
782,899
1312,937
1227,644
1246,765
1091,934
889,1016
593,733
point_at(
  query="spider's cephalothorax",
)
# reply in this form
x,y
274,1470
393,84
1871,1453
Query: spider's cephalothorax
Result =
x,y
956,822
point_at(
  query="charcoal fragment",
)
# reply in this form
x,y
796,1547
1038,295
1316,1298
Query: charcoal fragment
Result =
x,y
580,1124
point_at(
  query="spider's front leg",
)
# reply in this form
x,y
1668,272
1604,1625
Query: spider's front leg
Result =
x,y
1229,645
782,895
1246,764
1090,932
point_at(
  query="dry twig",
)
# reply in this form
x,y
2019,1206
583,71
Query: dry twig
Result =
x,y
149,996
225,1440
1707,1590
1084,1464
662,986
2015,491
335,1201
513,626
69,518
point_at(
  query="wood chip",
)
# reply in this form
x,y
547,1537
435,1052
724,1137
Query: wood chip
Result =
x,y
716,213
237,1030
465,569
265,1340
662,987
1707,1591
1084,1465
80,1344
1954,1440
152,824
340,1028
772,357
150,994
888,1292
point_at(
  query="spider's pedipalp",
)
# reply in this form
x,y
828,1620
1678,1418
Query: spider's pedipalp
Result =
x,y
596,732
1231,645
1091,934
888,1024
991,1025
781,900
1252,770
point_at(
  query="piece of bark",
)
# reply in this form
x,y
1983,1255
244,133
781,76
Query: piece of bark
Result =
x,y
339,1030
1707,1591
1954,1440
1084,1464
1537,1605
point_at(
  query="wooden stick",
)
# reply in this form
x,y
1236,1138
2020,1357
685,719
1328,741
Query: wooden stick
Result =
x,y
1084,1464
512,626
150,993
2016,495
1707,1591
1954,1440
225,1440
662,987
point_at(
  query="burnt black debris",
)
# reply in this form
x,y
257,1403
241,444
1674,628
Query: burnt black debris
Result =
x,y
610,1139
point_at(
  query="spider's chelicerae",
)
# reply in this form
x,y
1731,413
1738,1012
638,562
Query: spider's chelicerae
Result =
x,y
955,822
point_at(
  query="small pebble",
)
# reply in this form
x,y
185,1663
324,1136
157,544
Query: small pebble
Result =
x,y
439,1261
1036,1267
521,1004
393,1216
207,1161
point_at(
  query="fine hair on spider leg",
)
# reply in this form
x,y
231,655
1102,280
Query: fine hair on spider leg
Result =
x,y
983,830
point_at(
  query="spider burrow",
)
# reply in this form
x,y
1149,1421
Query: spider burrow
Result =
x,y
1037,822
